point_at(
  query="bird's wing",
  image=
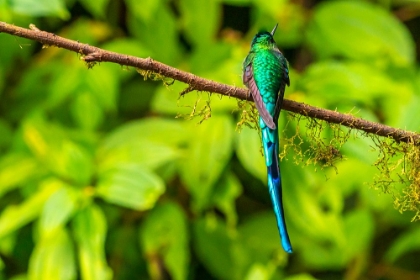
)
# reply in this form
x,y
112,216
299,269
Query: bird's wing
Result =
x,y
249,81
284,81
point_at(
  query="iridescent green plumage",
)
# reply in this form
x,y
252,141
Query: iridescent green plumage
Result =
x,y
266,74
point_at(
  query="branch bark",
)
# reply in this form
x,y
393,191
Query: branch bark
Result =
x,y
94,54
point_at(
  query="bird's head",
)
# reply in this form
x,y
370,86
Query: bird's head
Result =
x,y
264,39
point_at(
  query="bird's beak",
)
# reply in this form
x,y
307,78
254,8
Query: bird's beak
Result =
x,y
274,29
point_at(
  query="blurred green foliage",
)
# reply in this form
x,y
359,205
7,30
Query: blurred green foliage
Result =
x,y
106,175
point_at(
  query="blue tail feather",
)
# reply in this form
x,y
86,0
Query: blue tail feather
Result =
x,y
270,141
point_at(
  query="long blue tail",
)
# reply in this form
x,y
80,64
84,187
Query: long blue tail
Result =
x,y
270,139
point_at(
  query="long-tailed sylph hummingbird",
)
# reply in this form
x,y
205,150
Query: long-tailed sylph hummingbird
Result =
x,y
266,74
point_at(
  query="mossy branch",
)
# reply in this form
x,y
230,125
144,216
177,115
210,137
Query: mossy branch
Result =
x,y
93,54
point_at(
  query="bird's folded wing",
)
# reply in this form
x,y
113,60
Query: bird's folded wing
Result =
x,y
248,79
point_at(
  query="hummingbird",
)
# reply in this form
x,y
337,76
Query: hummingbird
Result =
x,y
266,74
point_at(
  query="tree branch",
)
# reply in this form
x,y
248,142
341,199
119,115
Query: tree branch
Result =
x,y
94,54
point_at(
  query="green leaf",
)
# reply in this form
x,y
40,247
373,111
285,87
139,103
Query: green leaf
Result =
x,y
401,110
150,143
250,154
40,8
163,131
164,234
214,248
13,164
51,146
359,229
344,83
156,25
142,152
86,111
16,216
318,255
89,227
103,85
224,196
90,93
210,149
132,186
145,9
290,16
304,210
64,199
64,85
53,258
203,62
259,272
260,239
360,30
96,8
199,31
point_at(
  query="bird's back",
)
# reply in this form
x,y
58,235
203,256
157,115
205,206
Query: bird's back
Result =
x,y
268,73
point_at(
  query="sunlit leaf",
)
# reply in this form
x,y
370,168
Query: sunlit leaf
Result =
x,y
346,83
131,186
359,30
16,216
159,130
53,258
260,272
89,228
150,143
62,156
143,152
40,8
63,199
13,164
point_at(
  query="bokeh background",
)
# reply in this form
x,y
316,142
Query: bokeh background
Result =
x,y
107,175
